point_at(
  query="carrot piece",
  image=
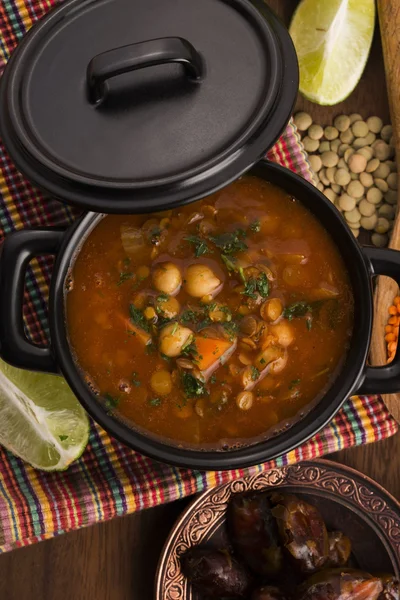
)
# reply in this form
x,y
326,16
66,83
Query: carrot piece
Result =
x,y
209,351
396,300
388,329
392,347
390,337
392,310
393,321
142,335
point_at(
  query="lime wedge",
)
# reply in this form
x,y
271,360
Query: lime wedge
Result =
x,y
41,421
332,39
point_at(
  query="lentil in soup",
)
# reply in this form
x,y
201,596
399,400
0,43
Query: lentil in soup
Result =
x,y
215,323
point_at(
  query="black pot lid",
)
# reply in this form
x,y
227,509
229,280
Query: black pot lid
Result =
x,y
137,105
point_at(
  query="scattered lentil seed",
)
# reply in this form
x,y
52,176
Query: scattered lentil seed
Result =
x,y
360,129
375,124
302,121
320,186
392,181
342,123
381,184
330,173
324,147
355,189
366,208
370,138
315,132
342,164
355,117
347,203
372,165
387,211
336,188
347,137
382,171
366,179
379,240
360,143
342,149
330,194
342,177
374,196
391,164
310,145
335,145
367,152
386,133
315,162
369,223
391,197
382,150
331,133
352,216
382,225
348,153
329,159
357,163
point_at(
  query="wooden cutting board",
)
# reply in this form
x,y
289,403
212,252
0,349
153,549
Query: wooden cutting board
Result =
x,y
387,289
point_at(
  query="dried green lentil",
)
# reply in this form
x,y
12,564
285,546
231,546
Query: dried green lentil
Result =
x,y
366,208
346,203
331,133
342,123
382,225
315,132
382,171
381,184
369,223
324,147
315,162
366,179
387,211
355,189
310,145
349,152
352,216
302,121
329,159
382,150
372,165
355,117
367,152
342,177
379,240
391,197
375,124
347,137
357,163
374,195
392,181
360,129
386,133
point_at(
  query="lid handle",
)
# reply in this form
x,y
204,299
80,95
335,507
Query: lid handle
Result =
x,y
138,56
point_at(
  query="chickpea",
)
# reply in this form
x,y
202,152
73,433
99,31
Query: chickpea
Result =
x,y
267,356
244,400
200,281
284,332
167,278
161,383
271,309
174,337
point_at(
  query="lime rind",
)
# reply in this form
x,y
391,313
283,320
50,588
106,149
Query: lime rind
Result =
x,y
41,421
333,41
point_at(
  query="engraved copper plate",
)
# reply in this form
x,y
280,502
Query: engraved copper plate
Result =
x,y
348,501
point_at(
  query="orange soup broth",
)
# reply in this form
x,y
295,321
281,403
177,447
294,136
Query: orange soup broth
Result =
x,y
307,268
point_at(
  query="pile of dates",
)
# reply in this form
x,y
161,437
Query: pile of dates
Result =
x,y
281,543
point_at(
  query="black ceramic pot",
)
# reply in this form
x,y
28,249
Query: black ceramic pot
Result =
x,y
356,376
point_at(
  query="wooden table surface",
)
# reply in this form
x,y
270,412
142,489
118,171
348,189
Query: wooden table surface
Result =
x,y
117,560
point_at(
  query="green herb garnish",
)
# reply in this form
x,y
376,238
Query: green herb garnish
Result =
x,y
190,350
63,437
192,387
258,285
135,379
213,379
297,309
200,245
138,318
155,401
230,243
231,329
229,262
255,373
162,298
124,277
294,383
111,401
255,226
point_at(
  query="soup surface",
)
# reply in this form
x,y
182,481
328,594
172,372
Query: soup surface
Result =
x,y
214,323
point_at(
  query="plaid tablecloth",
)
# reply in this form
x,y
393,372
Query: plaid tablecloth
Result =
x,y
110,480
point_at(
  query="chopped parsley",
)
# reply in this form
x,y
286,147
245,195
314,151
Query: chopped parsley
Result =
x,y
190,350
150,348
155,401
200,245
297,309
254,286
63,437
124,277
111,401
192,387
230,243
162,298
255,373
138,318
229,262
294,383
231,328
213,379
135,379
174,328
155,235
255,226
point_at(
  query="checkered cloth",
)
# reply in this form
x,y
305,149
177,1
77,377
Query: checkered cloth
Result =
x,y
110,480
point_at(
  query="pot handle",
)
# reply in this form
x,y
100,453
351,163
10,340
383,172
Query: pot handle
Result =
x,y
18,249
385,379
139,56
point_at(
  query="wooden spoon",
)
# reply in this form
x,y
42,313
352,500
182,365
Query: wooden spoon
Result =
x,y
387,289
